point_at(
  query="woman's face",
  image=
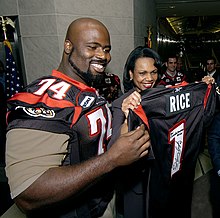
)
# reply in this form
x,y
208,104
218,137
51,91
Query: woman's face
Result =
x,y
145,74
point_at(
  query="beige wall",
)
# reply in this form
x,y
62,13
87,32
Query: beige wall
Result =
x,y
144,16
43,25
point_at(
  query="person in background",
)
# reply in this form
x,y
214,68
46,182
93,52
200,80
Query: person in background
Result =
x,y
214,151
109,88
213,135
179,64
56,159
211,69
171,76
184,70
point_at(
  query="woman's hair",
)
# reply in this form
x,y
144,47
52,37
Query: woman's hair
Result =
x,y
138,52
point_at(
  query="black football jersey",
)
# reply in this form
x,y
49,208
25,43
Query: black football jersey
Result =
x,y
175,118
166,79
60,104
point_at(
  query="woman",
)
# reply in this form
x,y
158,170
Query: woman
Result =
x,y
141,71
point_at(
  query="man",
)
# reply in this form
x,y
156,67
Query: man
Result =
x,y
211,69
58,130
213,134
179,64
214,150
171,76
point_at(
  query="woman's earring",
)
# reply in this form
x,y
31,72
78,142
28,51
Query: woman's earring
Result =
x,y
130,79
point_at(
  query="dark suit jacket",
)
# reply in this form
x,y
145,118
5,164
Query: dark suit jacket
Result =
x,y
214,142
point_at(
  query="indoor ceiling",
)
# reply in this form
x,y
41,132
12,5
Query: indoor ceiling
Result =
x,y
191,17
194,24
169,8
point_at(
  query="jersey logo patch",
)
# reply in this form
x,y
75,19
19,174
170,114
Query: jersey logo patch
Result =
x,y
87,101
107,80
38,112
178,102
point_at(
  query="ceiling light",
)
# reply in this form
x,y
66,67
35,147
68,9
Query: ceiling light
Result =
x,y
172,6
171,24
216,31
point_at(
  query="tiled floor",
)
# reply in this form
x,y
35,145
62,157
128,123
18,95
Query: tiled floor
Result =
x,y
201,206
203,164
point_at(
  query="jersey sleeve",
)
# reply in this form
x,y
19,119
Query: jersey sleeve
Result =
x,y
39,150
42,120
36,114
49,104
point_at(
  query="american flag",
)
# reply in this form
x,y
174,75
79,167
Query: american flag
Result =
x,y
13,79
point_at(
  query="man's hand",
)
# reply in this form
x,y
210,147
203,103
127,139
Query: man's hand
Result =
x,y
130,147
208,80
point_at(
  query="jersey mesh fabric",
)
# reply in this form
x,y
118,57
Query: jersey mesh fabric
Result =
x,y
58,104
175,118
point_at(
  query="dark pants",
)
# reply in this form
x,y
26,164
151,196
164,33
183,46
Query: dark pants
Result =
x,y
214,150
215,194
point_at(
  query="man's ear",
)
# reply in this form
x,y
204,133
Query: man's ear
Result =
x,y
68,46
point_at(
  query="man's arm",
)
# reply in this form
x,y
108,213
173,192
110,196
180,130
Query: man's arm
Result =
x,y
59,183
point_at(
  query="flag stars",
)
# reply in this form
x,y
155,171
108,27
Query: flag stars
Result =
x,y
12,75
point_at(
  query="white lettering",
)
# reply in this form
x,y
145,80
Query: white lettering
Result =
x,y
172,104
182,103
179,102
176,138
187,100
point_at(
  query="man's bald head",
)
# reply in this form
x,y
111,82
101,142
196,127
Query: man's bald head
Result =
x,y
86,50
81,25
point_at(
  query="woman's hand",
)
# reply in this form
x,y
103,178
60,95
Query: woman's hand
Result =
x,y
131,102
208,80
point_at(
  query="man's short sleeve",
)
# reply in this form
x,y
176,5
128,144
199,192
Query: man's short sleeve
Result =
x,y
29,153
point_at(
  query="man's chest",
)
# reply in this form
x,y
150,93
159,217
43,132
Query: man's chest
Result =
x,y
94,130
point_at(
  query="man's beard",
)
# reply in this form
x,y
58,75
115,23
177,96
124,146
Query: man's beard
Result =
x,y
87,77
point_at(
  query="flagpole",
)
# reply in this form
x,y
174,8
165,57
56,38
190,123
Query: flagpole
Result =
x,y
4,27
149,33
4,22
13,80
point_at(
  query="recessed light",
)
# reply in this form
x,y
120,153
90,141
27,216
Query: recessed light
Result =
x,y
172,6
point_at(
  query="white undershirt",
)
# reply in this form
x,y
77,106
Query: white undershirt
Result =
x,y
211,74
171,74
